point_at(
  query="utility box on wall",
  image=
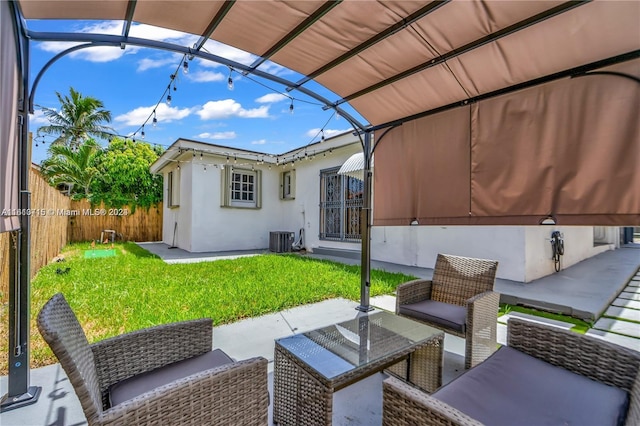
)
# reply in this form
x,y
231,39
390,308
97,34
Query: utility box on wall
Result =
x,y
280,241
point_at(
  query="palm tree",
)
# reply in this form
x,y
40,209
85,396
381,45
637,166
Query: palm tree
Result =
x,y
79,118
72,168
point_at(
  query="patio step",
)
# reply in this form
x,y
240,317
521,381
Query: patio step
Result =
x,y
629,295
621,327
635,282
626,303
627,342
624,314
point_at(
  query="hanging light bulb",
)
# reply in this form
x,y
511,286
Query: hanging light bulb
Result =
x,y
235,160
185,67
142,133
168,99
337,115
291,107
227,159
230,80
155,120
63,133
322,137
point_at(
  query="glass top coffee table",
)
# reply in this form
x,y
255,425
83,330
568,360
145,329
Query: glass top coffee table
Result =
x,y
309,367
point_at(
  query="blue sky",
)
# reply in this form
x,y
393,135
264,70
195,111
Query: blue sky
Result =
x,y
130,82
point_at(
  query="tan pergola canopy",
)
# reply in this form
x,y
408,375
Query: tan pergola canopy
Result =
x,y
522,144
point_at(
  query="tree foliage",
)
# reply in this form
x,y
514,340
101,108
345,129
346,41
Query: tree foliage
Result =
x,y
124,177
71,168
79,118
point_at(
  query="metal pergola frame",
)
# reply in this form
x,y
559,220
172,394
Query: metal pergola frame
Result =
x,y
19,390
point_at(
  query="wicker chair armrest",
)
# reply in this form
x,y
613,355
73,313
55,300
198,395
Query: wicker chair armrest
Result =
x,y
633,414
412,292
483,307
130,354
597,359
233,394
404,405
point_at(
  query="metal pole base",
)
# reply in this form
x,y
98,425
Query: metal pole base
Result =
x,y
363,308
11,403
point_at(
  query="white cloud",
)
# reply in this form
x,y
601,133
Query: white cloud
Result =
x,y
327,132
228,52
38,117
164,114
271,98
228,108
218,135
259,142
206,76
147,63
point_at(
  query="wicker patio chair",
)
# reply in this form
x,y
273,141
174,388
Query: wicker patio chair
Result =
x,y
546,375
459,300
161,375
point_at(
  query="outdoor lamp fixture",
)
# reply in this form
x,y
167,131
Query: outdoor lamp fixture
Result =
x,y
549,220
414,222
185,67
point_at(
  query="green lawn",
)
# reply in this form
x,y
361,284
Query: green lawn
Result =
x,y
135,289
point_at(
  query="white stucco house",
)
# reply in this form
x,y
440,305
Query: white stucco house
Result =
x,y
219,198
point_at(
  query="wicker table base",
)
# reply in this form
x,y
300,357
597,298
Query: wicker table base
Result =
x,y
303,396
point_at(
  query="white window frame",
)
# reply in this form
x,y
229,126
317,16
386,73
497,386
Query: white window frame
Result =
x,y
173,188
241,188
288,185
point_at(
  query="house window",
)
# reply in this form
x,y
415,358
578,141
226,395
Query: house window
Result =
x,y
241,188
173,188
341,202
288,185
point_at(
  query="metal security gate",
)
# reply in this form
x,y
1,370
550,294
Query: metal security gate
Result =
x,y
341,205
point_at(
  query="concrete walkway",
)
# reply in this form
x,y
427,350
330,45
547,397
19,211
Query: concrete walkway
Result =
x,y
621,321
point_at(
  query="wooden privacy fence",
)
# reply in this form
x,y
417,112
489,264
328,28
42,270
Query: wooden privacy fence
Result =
x,y
56,220
87,222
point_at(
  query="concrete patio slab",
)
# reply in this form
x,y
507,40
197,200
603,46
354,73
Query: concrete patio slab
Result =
x,y
584,290
620,327
626,303
627,342
177,255
624,314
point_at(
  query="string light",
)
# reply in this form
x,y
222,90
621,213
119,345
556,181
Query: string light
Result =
x,y
142,134
169,99
291,107
185,67
230,80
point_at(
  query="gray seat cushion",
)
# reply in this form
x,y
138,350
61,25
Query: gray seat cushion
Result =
x,y
449,316
513,388
137,385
